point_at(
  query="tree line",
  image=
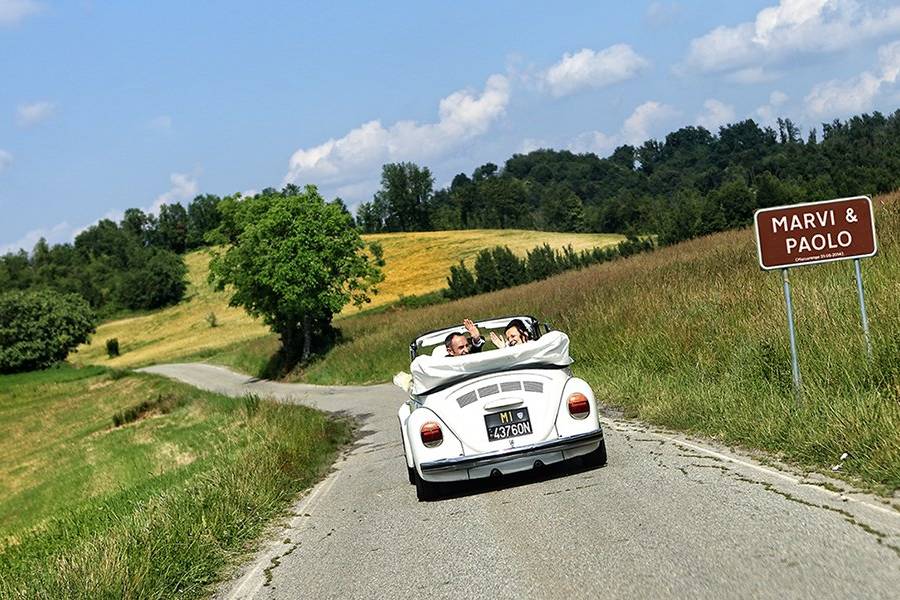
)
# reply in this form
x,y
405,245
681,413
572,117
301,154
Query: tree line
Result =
x,y
498,268
130,265
691,183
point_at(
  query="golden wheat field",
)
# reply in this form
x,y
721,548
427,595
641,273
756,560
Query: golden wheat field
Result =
x,y
415,263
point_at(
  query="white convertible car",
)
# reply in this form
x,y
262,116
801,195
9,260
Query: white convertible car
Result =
x,y
497,411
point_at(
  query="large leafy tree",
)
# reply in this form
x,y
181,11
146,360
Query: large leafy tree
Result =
x,y
41,327
296,261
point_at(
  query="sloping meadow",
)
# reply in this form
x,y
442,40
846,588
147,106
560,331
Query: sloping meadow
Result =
x,y
124,485
695,337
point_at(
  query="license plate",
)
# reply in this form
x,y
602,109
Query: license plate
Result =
x,y
507,424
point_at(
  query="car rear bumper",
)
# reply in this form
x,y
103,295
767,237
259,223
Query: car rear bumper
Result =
x,y
491,458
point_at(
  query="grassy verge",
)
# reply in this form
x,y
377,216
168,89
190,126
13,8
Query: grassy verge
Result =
x,y
694,337
127,485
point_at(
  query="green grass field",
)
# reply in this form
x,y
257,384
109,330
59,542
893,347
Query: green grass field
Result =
x,y
694,337
125,485
416,263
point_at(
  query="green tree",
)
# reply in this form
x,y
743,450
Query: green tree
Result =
x,y
542,262
40,327
487,276
296,262
510,268
202,216
156,278
136,223
173,227
406,190
562,210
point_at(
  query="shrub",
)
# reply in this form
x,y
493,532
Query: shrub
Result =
x,y
112,347
40,327
212,320
461,282
487,276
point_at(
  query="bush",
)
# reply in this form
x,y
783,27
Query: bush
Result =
x,y
40,327
112,347
461,282
212,320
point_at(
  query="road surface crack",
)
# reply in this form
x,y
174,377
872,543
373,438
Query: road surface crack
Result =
x,y
879,536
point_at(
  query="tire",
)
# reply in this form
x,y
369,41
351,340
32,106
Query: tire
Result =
x,y
595,458
426,490
411,473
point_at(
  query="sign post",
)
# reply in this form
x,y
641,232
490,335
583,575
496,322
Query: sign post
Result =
x,y
862,308
810,234
795,364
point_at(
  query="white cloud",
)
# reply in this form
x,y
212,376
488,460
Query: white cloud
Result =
x,y
161,123
717,113
184,187
34,113
594,141
588,68
855,95
790,28
14,11
5,159
766,112
353,158
638,127
635,130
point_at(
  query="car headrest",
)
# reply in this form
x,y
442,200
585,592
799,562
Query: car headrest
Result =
x,y
439,350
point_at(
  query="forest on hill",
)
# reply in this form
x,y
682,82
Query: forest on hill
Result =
x,y
691,183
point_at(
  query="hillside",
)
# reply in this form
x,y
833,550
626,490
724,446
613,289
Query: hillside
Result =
x,y
694,337
415,263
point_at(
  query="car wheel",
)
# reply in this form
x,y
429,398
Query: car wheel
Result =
x,y
595,458
411,473
426,490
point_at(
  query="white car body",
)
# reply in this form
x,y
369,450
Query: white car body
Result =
x,y
531,381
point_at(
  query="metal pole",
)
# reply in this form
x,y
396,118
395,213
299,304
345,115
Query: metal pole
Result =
x,y
862,309
795,365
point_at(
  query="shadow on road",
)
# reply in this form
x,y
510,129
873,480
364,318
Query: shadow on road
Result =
x,y
462,489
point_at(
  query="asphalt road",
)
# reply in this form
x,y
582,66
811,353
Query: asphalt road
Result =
x,y
668,517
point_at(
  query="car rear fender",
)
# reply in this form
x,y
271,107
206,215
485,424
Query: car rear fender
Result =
x,y
403,415
566,424
449,448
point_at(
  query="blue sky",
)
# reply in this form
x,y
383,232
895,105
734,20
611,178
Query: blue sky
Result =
x,y
111,105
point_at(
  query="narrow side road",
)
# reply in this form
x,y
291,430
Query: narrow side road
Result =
x,y
668,517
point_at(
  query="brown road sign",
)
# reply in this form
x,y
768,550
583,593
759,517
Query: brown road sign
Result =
x,y
815,232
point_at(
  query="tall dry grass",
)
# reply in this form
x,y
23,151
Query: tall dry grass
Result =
x,y
695,337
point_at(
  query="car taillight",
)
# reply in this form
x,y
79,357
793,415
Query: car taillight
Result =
x,y
432,436
579,407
